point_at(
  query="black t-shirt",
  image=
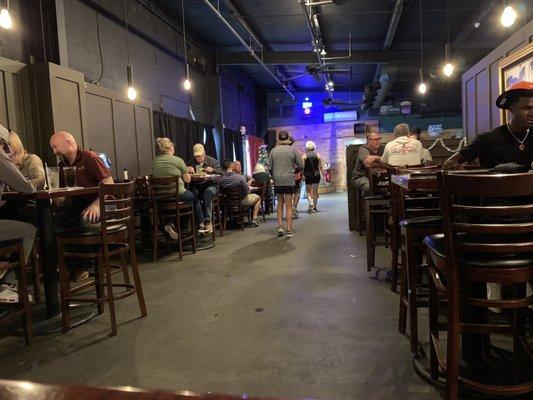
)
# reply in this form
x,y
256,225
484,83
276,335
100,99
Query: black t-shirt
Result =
x,y
498,147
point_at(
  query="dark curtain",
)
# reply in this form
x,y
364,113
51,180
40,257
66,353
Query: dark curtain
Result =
x,y
210,147
233,139
185,133
270,139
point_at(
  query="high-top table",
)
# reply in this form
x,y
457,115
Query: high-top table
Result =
x,y
47,246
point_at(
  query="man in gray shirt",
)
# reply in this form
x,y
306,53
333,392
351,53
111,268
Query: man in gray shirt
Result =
x,y
285,161
11,176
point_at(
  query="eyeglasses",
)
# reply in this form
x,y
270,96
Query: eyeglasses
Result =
x,y
375,139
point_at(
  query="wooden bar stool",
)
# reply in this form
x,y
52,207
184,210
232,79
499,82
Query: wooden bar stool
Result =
x,y
488,240
377,206
13,250
168,208
144,210
217,215
115,237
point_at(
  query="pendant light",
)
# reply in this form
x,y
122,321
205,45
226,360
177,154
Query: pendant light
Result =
x,y
187,84
422,87
448,68
508,16
5,18
132,92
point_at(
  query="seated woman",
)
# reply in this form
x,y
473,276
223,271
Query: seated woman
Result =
x,y
261,175
31,167
167,164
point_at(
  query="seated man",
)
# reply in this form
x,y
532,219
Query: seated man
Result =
x,y
207,190
9,229
508,143
232,180
368,154
403,150
237,167
81,212
427,158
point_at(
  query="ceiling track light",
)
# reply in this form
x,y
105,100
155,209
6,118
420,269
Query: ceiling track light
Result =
x,y
508,16
5,18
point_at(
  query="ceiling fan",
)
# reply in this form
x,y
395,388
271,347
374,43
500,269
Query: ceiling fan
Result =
x,y
315,70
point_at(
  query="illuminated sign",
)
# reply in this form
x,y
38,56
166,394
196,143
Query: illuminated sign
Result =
x,y
307,104
340,116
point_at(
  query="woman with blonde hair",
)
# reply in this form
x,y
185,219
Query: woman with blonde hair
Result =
x,y
313,171
167,164
30,165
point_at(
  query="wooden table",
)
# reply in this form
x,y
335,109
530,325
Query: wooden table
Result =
x,y
47,238
417,181
21,390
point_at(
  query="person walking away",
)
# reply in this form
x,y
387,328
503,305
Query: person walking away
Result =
x,y
285,161
313,171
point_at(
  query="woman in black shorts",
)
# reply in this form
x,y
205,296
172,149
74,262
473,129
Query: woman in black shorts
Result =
x,y
312,173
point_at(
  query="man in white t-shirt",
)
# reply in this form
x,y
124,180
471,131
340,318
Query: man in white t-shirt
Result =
x,y
403,150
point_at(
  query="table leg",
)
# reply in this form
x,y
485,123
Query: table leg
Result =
x,y
47,242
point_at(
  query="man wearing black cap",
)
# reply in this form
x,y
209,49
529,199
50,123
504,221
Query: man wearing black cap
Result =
x,y
508,143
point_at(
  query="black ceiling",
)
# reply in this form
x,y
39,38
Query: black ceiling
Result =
x,y
281,26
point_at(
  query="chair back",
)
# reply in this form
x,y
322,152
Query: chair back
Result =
x,y
141,188
377,179
165,188
116,205
487,215
262,188
232,198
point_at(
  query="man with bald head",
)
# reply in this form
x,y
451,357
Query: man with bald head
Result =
x,y
91,171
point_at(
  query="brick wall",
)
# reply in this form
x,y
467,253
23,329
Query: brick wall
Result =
x,y
158,75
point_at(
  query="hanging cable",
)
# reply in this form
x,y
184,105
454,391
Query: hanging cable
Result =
x,y
97,81
127,33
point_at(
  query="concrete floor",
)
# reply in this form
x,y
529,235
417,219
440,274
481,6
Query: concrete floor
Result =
x,y
257,314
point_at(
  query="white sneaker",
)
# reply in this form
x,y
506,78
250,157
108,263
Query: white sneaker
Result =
x,y
281,232
10,295
171,232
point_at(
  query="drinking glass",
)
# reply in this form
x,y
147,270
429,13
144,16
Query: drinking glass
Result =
x,y
199,169
53,177
69,173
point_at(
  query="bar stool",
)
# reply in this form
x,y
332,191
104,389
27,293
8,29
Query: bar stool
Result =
x,y
115,237
167,207
217,215
489,242
359,211
15,252
144,210
377,206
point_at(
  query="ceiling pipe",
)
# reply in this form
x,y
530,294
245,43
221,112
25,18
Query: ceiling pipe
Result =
x,y
248,47
314,37
391,32
236,13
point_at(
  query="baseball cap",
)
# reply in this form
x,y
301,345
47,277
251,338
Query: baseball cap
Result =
x,y
519,89
4,133
198,149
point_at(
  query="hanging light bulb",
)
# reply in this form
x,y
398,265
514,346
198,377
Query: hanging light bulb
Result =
x,y
323,52
5,18
187,84
508,16
448,69
132,93
331,83
422,87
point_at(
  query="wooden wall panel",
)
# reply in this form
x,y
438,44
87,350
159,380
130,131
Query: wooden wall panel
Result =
x,y
100,128
480,85
144,132
482,103
67,108
4,116
469,121
125,144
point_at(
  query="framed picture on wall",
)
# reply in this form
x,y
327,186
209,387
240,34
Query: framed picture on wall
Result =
x,y
515,68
